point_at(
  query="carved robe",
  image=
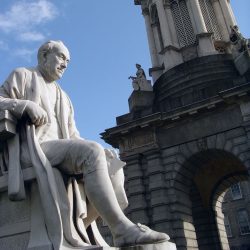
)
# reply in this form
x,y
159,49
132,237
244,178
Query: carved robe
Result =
x,y
24,85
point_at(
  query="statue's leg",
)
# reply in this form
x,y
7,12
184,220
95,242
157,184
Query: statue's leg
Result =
x,y
87,157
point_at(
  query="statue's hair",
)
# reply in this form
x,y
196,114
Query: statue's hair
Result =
x,y
46,48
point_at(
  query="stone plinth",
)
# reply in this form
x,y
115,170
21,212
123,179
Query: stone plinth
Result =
x,y
140,100
159,246
242,62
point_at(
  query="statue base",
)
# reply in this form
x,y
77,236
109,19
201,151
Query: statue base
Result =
x,y
140,100
242,62
159,246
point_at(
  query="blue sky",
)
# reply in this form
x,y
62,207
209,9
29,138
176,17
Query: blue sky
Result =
x,y
105,38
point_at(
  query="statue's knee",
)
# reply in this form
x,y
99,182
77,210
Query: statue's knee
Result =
x,y
96,149
96,153
95,159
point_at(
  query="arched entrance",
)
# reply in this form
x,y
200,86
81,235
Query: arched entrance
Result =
x,y
214,171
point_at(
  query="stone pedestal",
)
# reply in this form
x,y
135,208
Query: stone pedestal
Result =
x,y
242,62
159,246
140,100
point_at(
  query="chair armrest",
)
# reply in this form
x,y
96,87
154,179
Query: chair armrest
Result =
x,y
7,125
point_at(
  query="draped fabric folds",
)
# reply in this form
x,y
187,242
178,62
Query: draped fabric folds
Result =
x,y
58,201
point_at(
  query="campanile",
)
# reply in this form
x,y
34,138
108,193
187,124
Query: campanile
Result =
x,y
187,140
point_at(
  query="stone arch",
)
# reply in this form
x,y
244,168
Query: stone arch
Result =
x,y
216,170
202,171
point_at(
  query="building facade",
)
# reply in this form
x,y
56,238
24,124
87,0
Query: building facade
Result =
x,y
236,210
187,141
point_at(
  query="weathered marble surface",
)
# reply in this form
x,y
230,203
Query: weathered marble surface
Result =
x,y
70,175
159,246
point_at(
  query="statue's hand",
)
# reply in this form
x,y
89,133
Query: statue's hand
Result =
x,y
36,114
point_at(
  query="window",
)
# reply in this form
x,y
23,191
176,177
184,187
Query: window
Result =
x,y
210,18
227,226
236,192
243,221
183,24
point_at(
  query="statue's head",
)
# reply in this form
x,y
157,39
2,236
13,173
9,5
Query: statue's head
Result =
x,y
53,58
138,66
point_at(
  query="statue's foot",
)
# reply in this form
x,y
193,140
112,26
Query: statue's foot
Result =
x,y
139,235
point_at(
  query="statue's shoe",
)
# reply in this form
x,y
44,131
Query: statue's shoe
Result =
x,y
140,235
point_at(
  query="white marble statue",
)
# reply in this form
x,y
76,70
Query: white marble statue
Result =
x,y
48,141
140,82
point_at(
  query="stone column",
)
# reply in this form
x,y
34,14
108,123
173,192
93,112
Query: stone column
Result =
x,y
228,14
231,12
170,21
197,16
205,42
165,31
170,56
151,40
220,19
151,43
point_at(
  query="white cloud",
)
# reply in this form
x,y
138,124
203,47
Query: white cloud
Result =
x,y
31,36
24,18
24,53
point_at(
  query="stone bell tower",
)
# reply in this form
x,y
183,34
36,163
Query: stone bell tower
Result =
x,y
187,140
181,30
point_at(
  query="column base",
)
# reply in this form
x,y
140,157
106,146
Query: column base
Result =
x,y
205,45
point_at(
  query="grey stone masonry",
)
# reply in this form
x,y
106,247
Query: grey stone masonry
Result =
x,y
191,148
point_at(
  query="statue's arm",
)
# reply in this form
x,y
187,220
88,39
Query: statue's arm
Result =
x,y
11,97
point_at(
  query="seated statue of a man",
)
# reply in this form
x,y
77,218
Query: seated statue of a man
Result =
x,y
49,140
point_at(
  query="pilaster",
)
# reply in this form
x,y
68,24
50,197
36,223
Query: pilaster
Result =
x,y
135,189
165,31
220,19
152,44
158,200
196,13
170,22
228,14
205,43
170,51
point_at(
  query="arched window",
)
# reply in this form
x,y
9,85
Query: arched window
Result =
x,y
210,18
183,24
156,23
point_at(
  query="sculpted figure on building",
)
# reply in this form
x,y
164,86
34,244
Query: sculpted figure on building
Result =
x,y
49,142
140,82
242,44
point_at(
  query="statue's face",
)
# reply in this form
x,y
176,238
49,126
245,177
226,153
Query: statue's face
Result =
x,y
56,62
